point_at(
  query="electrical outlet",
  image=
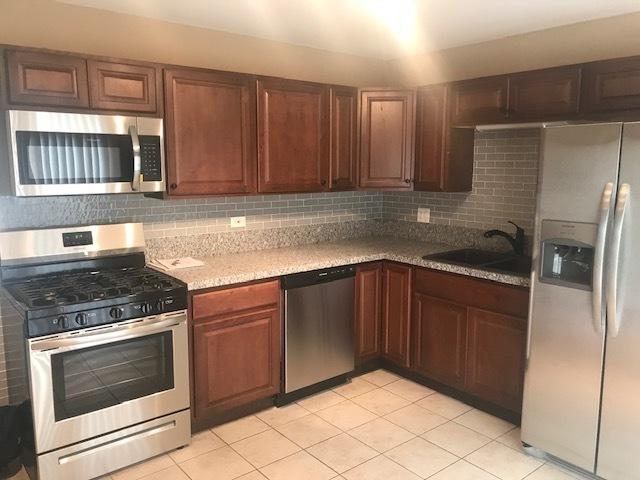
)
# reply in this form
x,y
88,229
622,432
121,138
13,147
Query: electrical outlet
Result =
x,y
237,222
424,215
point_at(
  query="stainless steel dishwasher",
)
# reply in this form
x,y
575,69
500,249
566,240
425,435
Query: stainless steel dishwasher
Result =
x,y
319,318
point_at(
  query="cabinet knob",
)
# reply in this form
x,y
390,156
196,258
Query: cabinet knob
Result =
x,y
407,180
323,182
173,186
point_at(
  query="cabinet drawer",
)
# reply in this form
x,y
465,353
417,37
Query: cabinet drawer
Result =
x,y
506,299
235,299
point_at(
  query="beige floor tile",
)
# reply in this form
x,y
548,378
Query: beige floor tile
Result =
x,y
171,473
346,415
23,475
456,438
380,377
277,416
381,434
421,457
239,429
408,390
462,470
503,462
380,468
221,464
342,453
380,401
357,386
321,400
444,406
416,419
143,469
308,430
552,472
512,439
201,442
255,475
484,423
299,465
265,448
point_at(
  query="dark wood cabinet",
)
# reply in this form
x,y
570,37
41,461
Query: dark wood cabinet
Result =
x,y
496,355
544,94
396,311
293,136
236,347
124,87
210,132
387,124
47,79
368,311
479,101
439,339
444,155
343,165
611,86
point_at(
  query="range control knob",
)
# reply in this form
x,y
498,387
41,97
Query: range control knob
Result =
x,y
81,319
160,305
145,308
61,322
115,313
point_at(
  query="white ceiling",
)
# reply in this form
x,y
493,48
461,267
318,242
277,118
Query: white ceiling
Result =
x,y
372,28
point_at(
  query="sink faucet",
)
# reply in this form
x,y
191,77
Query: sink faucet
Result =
x,y
517,241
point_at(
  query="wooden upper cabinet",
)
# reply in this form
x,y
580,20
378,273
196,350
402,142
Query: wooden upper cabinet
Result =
x,y
119,86
368,311
544,94
344,108
47,79
387,123
211,132
612,85
444,155
479,101
293,136
396,311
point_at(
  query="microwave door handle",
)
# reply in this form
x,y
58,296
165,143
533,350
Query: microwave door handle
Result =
x,y
613,315
598,261
135,141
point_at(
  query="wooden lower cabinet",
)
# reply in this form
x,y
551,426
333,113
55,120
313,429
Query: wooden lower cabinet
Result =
x,y
396,311
368,310
236,347
439,339
495,358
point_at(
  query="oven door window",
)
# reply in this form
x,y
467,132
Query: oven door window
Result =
x,y
98,377
46,158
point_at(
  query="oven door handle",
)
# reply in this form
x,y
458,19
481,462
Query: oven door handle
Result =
x,y
122,332
135,142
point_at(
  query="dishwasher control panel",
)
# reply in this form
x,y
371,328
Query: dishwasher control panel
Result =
x,y
317,276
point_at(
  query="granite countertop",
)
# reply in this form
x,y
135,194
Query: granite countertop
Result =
x,y
243,267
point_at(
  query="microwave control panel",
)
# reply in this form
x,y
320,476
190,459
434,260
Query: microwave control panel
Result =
x,y
150,158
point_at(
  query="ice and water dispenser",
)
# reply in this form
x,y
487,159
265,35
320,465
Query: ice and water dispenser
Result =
x,y
567,252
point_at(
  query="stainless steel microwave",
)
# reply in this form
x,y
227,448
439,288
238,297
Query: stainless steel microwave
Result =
x,y
75,154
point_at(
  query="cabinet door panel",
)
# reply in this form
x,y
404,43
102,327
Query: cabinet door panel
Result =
x,y
47,79
293,136
396,311
479,101
386,138
439,339
117,86
211,133
368,311
612,85
544,94
495,367
430,138
343,138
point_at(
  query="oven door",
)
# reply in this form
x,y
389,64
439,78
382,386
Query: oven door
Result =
x,y
107,378
73,154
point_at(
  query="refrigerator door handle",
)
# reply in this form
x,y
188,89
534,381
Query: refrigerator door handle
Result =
x,y
612,276
598,261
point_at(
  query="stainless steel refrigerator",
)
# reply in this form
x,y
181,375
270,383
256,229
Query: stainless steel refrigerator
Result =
x,y
582,381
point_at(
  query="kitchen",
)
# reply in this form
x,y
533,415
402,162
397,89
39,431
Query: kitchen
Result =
x,y
371,270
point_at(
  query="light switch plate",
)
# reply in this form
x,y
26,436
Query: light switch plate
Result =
x,y
424,215
237,222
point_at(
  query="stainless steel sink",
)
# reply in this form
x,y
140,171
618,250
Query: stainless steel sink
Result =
x,y
494,261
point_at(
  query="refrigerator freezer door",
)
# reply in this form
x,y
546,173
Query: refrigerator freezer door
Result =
x,y
619,451
565,347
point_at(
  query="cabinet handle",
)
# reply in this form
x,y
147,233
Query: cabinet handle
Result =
x,y
173,186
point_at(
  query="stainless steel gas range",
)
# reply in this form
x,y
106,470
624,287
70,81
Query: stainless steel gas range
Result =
x,y
105,345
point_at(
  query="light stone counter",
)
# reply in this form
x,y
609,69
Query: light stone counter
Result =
x,y
243,267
